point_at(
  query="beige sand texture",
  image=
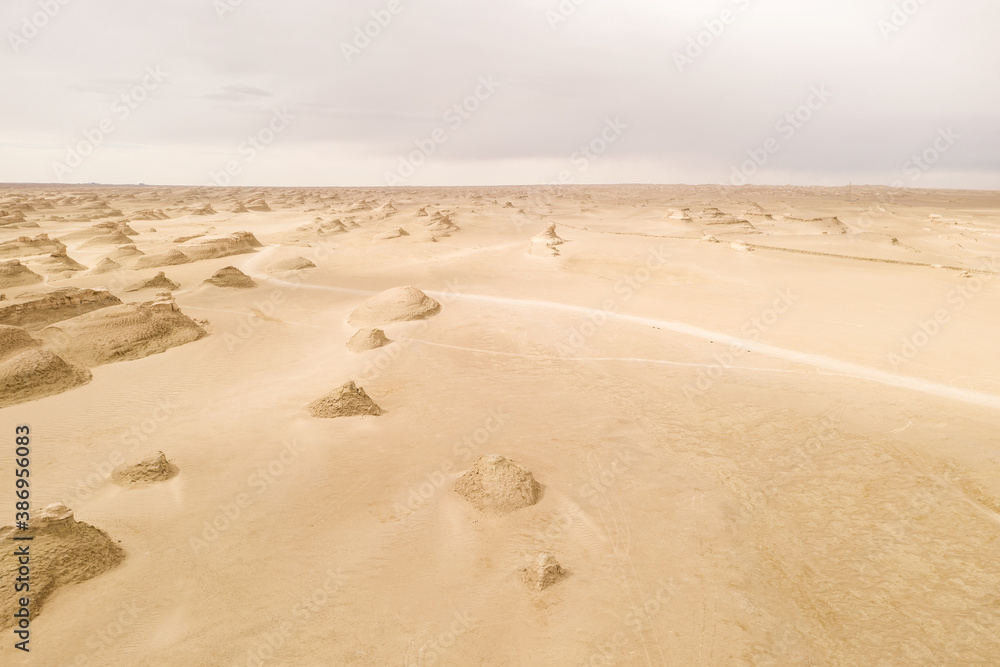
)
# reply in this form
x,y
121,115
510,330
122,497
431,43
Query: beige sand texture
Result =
x,y
783,456
367,339
28,372
62,552
122,333
35,310
15,274
399,304
148,470
544,571
158,282
230,276
348,400
292,264
497,485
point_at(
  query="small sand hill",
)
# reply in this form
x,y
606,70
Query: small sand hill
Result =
x,y
114,238
39,309
28,372
9,218
679,215
257,204
169,258
198,209
62,551
544,244
238,207
106,265
154,468
348,400
122,333
399,304
319,226
56,264
543,572
422,211
125,252
230,276
291,264
441,225
25,246
159,281
497,485
116,226
383,212
213,247
391,234
15,274
367,339
149,214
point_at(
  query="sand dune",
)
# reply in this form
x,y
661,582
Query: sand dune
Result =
x,y
122,333
399,304
713,425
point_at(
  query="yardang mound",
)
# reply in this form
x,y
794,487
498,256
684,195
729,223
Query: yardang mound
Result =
x,y
349,400
159,281
230,276
367,339
122,333
292,264
170,258
39,309
399,304
497,485
63,552
543,572
28,372
15,274
154,468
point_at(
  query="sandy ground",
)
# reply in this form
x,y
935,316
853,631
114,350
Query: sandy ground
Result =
x,y
763,421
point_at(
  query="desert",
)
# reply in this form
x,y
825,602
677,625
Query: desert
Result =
x,y
573,425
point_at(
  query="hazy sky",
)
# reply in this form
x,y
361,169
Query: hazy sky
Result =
x,y
258,92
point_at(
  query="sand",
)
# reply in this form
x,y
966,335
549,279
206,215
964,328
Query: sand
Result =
x,y
367,339
149,470
497,485
62,552
399,304
230,276
35,310
158,282
778,448
543,572
122,333
348,400
15,274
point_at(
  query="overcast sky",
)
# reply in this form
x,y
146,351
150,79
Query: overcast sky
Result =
x,y
118,91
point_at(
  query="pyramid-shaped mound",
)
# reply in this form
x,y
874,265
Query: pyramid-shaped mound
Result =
x,y
106,265
230,276
498,485
154,468
348,400
367,339
15,274
169,258
159,281
399,304
543,572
